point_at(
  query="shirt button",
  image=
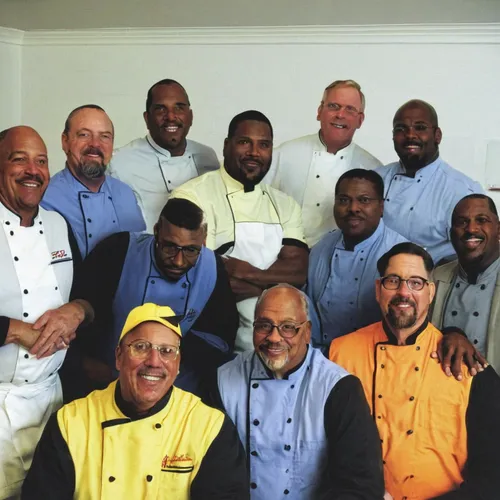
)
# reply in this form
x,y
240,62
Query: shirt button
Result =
x,y
417,368
41,232
90,236
89,220
341,157
317,177
253,486
454,313
16,258
184,285
287,447
409,432
25,292
158,426
412,398
292,386
483,287
254,453
25,315
26,356
109,198
12,233
382,348
255,385
111,479
289,421
286,492
149,478
418,348
153,282
475,313
382,366
475,341
380,396
86,196
411,209
457,285
256,422
317,204
7,223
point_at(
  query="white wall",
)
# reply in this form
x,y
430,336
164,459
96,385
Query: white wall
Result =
x,y
70,14
10,77
281,73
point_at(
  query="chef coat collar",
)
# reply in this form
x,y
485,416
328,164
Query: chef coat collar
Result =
x,y
411,340
424,172
473,279
78,184
287,375
129,410
165,152
232,185
7,214
362,245
319,145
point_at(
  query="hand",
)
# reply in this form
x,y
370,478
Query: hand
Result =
x,y
244,290
237,268
58,328
455,349
21,333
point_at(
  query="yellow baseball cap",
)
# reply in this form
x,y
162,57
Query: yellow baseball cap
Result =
x,y
152,312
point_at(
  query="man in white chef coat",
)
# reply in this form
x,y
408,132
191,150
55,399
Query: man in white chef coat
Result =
x,y
153,166
37,253
308,168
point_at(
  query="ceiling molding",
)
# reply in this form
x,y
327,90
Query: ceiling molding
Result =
x,y
486,33
11,36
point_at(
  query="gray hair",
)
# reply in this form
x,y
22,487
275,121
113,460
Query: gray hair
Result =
x,y
303,297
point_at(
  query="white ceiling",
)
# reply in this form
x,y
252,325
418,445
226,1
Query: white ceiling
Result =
x,y
73,14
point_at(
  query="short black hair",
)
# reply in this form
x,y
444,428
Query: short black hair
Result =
x,y
67,123
361,173
479,196
405,248
183,213
165,81
251,114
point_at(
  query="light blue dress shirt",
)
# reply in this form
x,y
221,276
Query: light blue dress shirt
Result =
x,y
420,208
341,283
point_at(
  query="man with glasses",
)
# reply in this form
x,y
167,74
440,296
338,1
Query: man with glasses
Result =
x,y
440,437
343,264
141,437
173,267
153,166
308,168
421,190
304,421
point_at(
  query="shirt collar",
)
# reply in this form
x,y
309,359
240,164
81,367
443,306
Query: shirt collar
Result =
x,y
411,340
129,410
232,185
319,145
7,215
79,186
165,152
424,172
365,243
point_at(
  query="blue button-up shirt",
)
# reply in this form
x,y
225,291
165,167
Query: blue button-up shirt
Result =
x,y
420,207
341,282
93,216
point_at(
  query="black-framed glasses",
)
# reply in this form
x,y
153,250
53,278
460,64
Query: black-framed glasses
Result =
x,y
170,250
142,348
419,128
345,201
286,329
335,106
393,282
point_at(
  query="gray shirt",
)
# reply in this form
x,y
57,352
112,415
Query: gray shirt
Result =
x,y
469,304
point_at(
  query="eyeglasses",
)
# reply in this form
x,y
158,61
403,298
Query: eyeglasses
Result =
x,y
141,349
347,200
414,283
170,250
335,106
419,128
287,330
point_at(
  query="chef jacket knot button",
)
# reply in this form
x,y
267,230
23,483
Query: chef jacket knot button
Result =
x,y
253,486
153,282
380,396
26,356
412,398
16,258
317,204
411,476
457,285
292,387
25,292
409,432
157,426
418,348
86,196
289,421
341,157
184,285
7,223
114,222
286,492
483,287
383,348
287,447
475,313
255,385
254,453
149,478
109,198
382,366
111,479
41,232
256,422
417,368
25,315
454,313
317,177
90,236
89,220
12,233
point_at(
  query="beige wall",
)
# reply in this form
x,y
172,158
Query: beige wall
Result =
x,y
70,14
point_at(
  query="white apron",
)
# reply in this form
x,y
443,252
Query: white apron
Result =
x,y
258,244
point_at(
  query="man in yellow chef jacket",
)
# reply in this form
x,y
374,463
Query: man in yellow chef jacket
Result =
x,y
256,227
141,437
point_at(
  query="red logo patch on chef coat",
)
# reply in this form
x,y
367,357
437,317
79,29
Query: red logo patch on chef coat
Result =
x,y
59,254
177,463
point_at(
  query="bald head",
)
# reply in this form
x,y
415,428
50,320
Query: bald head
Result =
x,y
24,171
298,297
419,104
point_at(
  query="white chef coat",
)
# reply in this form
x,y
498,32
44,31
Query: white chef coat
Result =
x,y
303,169
37,271
153,173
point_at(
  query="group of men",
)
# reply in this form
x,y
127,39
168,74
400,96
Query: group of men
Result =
x,y
167,278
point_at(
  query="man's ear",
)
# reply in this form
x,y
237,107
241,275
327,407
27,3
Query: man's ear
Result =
x,y
438,135
118,357
145,116
64,143
377,289
432,291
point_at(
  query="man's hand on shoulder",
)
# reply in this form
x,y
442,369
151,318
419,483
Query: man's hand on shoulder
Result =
x,y
455,349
